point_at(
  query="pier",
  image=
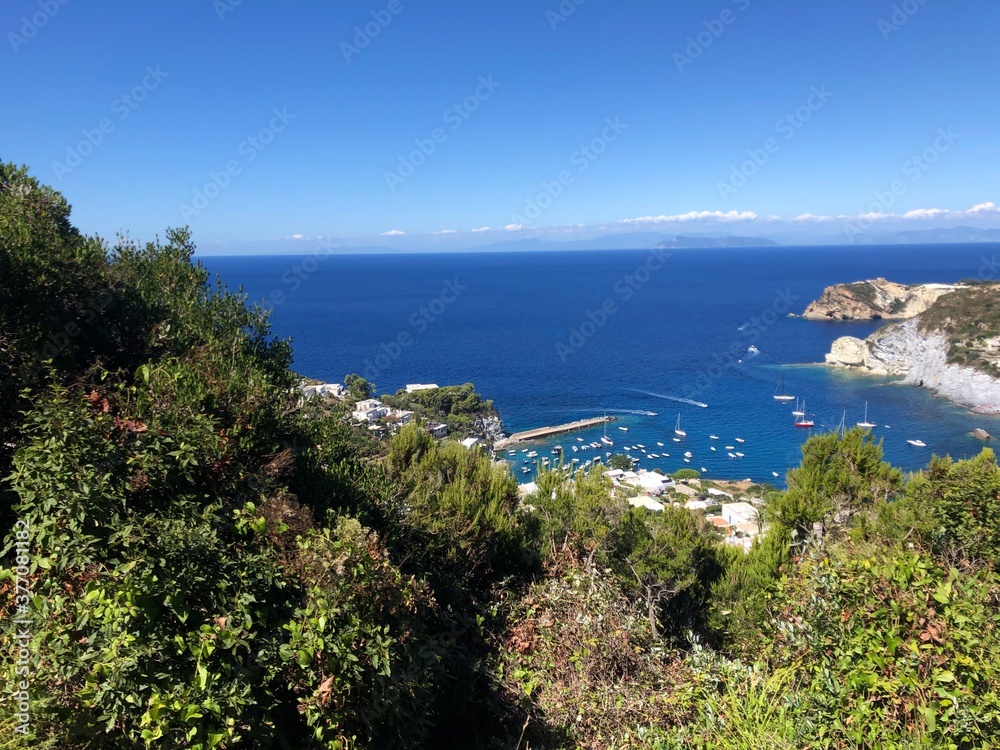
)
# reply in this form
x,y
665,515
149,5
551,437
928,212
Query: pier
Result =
x,y
544,432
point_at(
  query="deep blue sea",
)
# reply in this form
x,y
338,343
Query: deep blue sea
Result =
x,y
554,337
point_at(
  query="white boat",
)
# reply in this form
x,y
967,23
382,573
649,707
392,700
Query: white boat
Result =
x,y
739,455
677,428
798,410
660,444
533,454
866,424
623,429
687,460
677,440
917,443
753,349
575,449
712,448
605,439
776,473
687,453
730,447
713,437
740,440
704,470
804,421
640,445
732,455
782,396
579,440
654,455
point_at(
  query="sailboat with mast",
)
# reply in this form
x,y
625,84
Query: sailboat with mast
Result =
x,y
677,428
804,421
779,393
798,410
604,438
866,424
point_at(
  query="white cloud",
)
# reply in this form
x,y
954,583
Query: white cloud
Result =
x,y
446,231
811,217
393,233
980,209
298,236
513,228
482,229
694,216
926,213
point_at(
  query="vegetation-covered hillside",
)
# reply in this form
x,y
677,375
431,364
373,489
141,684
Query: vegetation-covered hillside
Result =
x,y
970,320
194,561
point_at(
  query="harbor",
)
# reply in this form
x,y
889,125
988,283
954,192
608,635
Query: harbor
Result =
x,y
541,433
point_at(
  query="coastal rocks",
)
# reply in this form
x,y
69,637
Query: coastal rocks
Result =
x,y
901,349
847,351
489,429
875,299
980,434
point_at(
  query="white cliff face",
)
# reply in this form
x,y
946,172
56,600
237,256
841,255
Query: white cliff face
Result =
x,y
922,360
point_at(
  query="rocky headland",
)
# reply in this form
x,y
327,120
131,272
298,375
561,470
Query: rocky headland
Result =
x,y
876,299
951,347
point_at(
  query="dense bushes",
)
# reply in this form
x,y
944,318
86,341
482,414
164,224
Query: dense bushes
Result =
x,y
214,564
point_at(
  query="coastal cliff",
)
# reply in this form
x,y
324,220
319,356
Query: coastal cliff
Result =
x,y
952,348
875,299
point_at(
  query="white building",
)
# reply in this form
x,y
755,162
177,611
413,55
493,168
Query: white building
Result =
x,y
647,481
645,501
369,410
470,442
718,493
323,389
737,514
438,430
414,387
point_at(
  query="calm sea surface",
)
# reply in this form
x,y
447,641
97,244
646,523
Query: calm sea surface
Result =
x,y
554,337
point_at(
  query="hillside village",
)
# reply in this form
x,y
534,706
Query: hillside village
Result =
x,y
734,514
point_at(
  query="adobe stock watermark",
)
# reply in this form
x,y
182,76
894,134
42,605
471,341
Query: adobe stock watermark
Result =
x,y
21,656
122,106
624,289
454,117
786,127
293,279
751,332
714,28
900,16
249,148
561,14
31,25
419,322
581,159
363,35
914,168
224,7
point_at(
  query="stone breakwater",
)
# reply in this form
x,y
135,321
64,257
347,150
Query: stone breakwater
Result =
x,y
921,359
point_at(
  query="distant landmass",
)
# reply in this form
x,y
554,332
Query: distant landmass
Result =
x,y
633,241
942,235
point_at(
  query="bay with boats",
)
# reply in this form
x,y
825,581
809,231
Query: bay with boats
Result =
x,y
676,357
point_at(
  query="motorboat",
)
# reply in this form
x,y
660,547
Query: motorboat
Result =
x,y
917,443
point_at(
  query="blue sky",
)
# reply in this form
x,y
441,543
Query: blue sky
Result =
x,y
538,118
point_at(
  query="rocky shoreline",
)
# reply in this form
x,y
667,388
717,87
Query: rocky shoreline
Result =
x,y
902,350
910,349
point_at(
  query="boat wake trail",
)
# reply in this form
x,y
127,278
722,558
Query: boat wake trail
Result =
x,y
637,412
672,398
